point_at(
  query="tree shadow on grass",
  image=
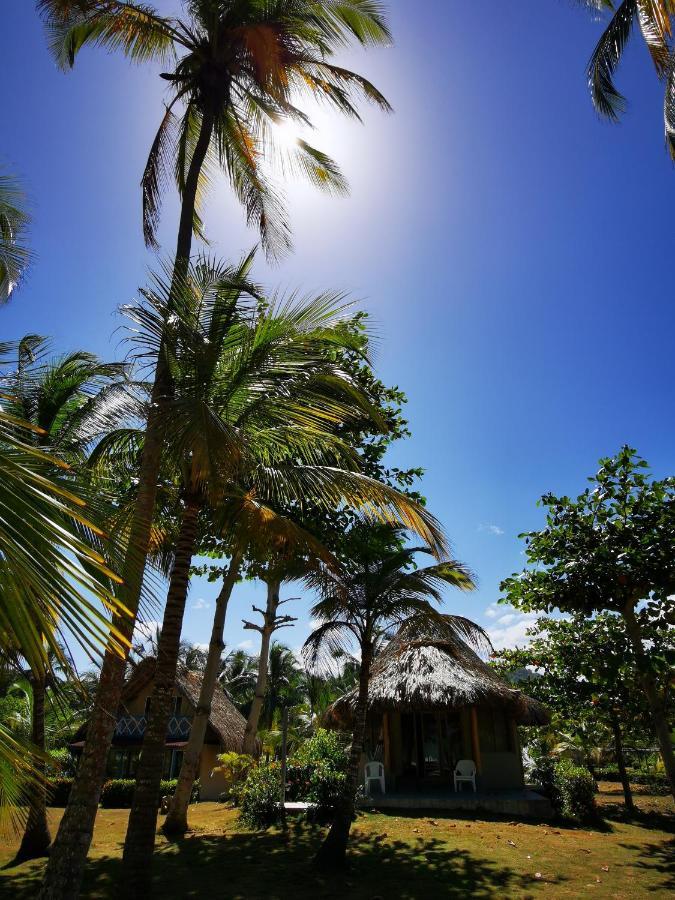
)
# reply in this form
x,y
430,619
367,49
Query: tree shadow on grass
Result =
x,y
657,858
277,866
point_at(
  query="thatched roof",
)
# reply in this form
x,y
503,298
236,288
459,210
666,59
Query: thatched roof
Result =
x,y
225,721
436,673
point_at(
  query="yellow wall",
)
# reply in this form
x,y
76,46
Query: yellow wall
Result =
x,y
211,787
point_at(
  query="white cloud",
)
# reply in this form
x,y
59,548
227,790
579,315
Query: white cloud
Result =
x,y
492,611
493,529
201,604
245,645
510,630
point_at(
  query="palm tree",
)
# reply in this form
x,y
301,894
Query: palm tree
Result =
x,y
284,682
378,589
68,401
654,18
14,220
51,566
238,66
238,69
255,393
237,677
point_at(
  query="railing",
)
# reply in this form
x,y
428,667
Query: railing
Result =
x,y
134,727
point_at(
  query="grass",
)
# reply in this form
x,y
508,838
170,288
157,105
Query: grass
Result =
x,y
393,856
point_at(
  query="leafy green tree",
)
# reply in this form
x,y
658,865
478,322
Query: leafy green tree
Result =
x,y
612,549
654,19
588,677
378,588
237,66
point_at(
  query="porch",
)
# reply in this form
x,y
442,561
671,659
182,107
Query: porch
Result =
x,y
522,803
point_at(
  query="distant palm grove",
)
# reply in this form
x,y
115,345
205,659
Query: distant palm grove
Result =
x,y
241,433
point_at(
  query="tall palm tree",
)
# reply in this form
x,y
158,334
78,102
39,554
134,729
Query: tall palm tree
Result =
x,y
68,401
255,393
654,18
378,589
14,220
238,66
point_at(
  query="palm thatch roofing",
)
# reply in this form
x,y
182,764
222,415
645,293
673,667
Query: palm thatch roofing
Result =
x,y
436,673
226,722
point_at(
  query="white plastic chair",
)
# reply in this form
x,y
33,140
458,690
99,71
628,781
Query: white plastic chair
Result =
x,y
374,772
465,770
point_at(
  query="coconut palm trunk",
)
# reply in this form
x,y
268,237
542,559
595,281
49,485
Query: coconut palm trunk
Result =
x,y
656,705
140,837
333,852
36,837
267,630
621,762
176,820
63,876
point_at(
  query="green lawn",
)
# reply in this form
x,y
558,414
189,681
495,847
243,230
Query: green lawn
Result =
x,y
393,855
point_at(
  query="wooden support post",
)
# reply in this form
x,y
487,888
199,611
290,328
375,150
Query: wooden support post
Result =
x,y
284,747
475,742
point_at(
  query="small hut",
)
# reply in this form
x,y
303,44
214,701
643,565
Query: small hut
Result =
x,y
225,731
433,701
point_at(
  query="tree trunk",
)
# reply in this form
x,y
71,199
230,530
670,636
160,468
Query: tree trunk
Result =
x,y
36,837
140,838
333,852
263,661
63,875
176,821
621,762
656,705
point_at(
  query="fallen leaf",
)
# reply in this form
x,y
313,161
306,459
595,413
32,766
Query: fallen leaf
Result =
x,y
511,843
537,875
605,868
583,850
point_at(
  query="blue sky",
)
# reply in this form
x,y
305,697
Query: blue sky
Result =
x,y
511,247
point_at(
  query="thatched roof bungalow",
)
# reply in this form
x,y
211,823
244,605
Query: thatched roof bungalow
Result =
x,y
432,702
225,730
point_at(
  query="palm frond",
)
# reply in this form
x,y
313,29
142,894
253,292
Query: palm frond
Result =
x,y
605,59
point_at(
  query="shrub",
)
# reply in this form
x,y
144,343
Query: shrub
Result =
x,y
323,747
58,791
118,792
317,774
234,767
577,788
570,788
260,796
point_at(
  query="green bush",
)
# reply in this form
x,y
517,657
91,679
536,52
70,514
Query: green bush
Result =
x,y
234,767
118,792
260,796
570,788
577,789
324,747
656,780
58,791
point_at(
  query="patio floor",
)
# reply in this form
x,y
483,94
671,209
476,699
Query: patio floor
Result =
x,y
525,803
